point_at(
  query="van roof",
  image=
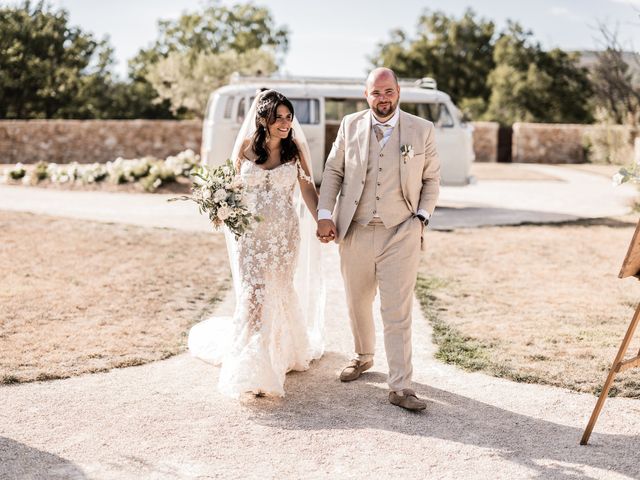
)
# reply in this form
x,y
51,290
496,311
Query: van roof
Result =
x,y
309,87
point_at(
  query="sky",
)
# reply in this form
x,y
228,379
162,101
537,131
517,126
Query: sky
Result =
x,y
335,37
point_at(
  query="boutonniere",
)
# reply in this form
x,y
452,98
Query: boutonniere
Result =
x,y
407,152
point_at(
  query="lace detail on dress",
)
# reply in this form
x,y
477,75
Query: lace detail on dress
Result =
x,y
269,336
302,174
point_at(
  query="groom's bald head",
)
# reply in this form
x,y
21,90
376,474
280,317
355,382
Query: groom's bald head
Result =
x,y
381,73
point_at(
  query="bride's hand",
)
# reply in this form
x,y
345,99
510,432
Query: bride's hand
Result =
x,y
326,231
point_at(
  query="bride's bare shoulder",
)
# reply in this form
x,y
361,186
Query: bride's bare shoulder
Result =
x,y
244,153
245,148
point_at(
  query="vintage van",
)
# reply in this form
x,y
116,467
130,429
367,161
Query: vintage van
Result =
x,y
320,104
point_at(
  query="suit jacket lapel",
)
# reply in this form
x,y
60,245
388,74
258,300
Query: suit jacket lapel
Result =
x,y
364,136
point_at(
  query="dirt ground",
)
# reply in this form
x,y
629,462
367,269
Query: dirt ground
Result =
x,y
536,304
80,296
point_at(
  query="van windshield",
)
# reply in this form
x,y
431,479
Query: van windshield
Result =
x,y
306,110
337,108
438,113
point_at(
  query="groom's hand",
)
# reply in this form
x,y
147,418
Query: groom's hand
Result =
x,y
326,231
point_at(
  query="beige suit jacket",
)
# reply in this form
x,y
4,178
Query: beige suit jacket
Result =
x,y
346,167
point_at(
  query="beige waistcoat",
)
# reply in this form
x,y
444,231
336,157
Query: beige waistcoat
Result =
x,y
382,192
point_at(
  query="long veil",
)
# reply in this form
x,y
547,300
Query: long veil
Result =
x,y
309,280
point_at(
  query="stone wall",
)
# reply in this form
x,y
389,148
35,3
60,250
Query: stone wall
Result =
x,y
88,141
566,143
548,143
485,141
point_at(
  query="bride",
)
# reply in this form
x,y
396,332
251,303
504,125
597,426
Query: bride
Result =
x,y
278,321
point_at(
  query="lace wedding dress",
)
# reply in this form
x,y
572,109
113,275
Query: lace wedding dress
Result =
x,y
270,333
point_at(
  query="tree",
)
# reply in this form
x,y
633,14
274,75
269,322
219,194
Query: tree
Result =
x,y
45,65
187,82
505,77
458,53
196,53
529,84
49,69
616,94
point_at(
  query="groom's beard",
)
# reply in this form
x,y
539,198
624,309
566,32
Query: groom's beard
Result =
x,y
385,111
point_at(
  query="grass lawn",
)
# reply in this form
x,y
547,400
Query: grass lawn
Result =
x,y
80,297
531,303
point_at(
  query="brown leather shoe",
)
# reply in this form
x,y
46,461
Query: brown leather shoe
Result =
x,y
408,400
354,370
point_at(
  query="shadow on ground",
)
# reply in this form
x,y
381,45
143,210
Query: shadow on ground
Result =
x,y
321,402
447,218
21,461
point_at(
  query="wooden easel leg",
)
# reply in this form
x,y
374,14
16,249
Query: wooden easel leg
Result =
x,y
612,374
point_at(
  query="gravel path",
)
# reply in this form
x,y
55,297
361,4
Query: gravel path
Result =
x,y
165,420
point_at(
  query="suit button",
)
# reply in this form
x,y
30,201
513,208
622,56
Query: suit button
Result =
x,y
382,154
380,169
377,198
356,202
374,212
378,183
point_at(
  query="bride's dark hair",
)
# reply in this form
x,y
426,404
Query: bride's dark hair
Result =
x,y
266,109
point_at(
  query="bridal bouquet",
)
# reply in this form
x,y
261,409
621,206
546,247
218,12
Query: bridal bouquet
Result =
x,y
219,194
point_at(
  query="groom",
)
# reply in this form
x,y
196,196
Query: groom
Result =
x,y
384,170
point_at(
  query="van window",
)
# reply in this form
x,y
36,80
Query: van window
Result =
x,y
228,107
336,108
438,113
307,110
241,110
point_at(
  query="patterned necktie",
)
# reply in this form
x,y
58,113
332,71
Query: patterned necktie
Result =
x,y
379,130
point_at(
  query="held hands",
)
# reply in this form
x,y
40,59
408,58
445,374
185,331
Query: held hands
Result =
x,y
326,231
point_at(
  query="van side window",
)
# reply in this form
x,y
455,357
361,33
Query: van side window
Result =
x,y
336,108
306,110
241,110
444,117
228,107
438,113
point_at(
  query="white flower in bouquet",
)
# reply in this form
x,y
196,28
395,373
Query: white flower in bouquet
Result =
x,y
207,194
224,213
220,195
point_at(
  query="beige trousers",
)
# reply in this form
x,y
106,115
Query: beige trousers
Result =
x,y
374,257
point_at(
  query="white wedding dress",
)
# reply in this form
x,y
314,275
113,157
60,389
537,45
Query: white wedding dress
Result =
x,y
271,332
